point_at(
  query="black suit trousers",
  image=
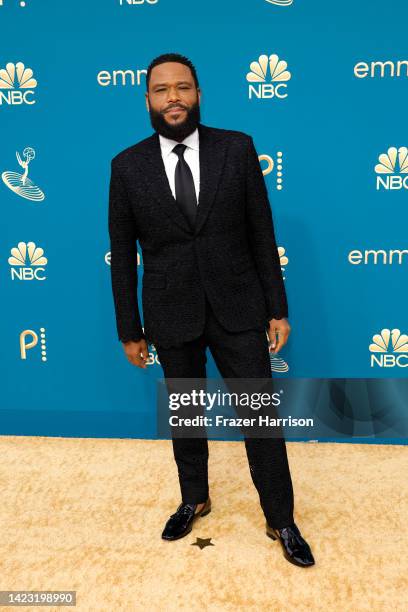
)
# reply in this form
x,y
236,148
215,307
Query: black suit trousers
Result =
x,y
237,355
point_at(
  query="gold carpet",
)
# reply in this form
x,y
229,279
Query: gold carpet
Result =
x,y
87,514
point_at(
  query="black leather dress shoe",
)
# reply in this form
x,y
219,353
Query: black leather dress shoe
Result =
x,y
181,522
295,548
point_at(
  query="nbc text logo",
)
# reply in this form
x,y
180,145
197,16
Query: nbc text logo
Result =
x,y
392,171
278,76
17,84
27,262
389,349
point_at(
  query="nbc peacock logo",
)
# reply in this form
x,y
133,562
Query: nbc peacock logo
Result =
x,y
389,349
392,169
20,183
27,262
16,85
268,68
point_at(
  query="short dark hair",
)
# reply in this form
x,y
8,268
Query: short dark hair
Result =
x,y
171,57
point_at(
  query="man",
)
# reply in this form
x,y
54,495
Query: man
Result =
x,y
195,199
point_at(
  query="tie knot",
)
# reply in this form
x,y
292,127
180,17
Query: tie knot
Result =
x,y
179,149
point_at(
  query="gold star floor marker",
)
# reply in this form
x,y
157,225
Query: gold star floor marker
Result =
x,y
203,542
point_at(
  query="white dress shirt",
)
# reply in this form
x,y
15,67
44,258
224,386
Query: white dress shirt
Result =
x,y
191,155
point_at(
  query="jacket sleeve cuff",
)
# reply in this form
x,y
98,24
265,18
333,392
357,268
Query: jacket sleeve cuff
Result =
x,y
133,337
277,316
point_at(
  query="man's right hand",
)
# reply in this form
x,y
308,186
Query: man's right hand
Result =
x,y
136,352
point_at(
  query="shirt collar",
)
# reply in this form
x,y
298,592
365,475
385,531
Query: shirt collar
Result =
x,y
168,144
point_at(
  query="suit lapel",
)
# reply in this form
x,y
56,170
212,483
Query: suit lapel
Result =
x,y
212,156
212,150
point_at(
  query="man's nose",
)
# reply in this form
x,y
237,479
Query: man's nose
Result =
x,y
173,94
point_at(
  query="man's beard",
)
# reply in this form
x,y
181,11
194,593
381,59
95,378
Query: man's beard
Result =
x,y
180,130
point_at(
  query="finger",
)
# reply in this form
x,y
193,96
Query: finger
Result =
x,y
137,361
278,343
141,362
278,347
273,342
282,337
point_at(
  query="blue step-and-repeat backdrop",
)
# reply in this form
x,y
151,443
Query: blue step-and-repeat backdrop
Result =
x,y
323,89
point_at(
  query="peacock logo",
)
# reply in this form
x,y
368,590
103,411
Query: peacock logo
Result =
x,y
16,85
27,262
268,68
389,349
392,169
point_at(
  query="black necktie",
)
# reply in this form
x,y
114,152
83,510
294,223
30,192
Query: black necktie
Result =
x,y
184,183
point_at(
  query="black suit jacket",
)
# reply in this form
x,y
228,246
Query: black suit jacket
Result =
x,y
230,254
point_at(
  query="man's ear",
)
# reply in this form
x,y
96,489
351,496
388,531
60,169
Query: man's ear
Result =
x,y
147,100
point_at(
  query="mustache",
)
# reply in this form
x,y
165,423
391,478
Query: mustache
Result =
x,y
175,106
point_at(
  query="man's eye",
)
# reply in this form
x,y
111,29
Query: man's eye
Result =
x,y
163,88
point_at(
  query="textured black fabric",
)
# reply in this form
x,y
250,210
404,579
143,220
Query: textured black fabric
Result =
x,y
231,255
237,355
184,186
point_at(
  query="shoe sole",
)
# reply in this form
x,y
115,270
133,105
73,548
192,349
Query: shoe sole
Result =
x,y
199,514
285,554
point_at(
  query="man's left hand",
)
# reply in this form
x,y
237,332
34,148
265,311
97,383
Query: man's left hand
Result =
x,y
280,328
